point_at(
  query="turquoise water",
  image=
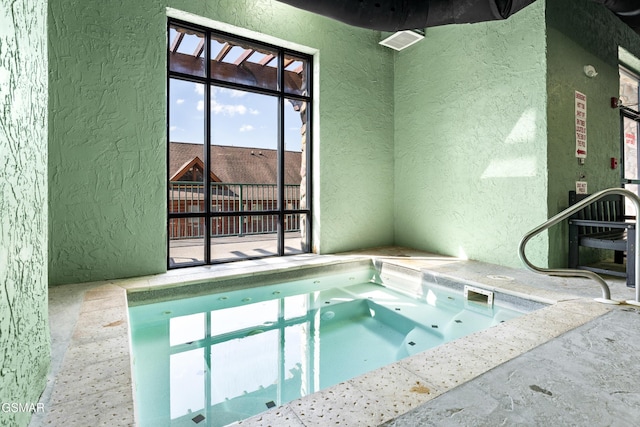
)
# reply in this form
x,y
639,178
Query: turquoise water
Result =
x,y
213,360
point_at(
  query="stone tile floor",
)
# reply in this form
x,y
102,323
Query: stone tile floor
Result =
x,y
534,370
586,377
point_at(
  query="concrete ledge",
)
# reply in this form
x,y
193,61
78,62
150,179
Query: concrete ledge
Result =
x,y
94,384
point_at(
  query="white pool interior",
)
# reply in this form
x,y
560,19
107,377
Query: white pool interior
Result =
x,y
232,354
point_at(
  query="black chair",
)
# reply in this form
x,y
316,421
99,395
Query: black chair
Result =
x,y
603,225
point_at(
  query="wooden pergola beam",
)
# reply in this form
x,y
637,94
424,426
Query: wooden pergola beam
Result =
x,y
245,55
199,48
268,58
176,42
250,73
223,52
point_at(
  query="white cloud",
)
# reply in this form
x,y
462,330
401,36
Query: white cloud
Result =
x,y
236,93
179,101
233,93
225,109
246,128
228,109
172,128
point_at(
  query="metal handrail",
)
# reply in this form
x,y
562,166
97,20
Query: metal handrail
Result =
x,y
606,293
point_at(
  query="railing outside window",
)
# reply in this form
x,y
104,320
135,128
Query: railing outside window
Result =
x,y
187,196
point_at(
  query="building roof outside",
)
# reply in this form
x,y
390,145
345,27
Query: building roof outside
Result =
x,y
238,164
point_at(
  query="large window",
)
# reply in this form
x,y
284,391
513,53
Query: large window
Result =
x,y
239,145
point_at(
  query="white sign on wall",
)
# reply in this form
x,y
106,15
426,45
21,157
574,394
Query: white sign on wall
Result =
x,y
581,125
581,187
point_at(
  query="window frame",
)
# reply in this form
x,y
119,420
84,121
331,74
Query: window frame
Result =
x,y
630,114
209,214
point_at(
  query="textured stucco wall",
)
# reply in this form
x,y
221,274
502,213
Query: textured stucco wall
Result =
x,y
470,141
580,33
106,140
107,131
24,339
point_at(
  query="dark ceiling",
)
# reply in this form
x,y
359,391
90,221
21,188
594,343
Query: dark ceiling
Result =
x,y
395,15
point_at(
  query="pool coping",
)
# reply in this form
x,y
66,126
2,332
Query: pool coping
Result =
x,y
94,383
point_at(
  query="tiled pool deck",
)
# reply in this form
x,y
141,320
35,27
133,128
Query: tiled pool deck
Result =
x,y
90,381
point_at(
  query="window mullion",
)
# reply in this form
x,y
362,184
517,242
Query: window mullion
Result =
x,y
207,150
168,151
281,154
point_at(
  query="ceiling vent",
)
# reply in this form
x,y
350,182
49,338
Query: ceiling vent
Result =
x,y
402,39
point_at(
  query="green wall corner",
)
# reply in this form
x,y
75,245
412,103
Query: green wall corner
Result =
x,y
470,139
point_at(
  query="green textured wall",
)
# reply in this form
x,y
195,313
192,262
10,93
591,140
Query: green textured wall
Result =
x,y
24,338
470,139
107,131
581,32
448,146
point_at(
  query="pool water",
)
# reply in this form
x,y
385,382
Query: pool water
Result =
x,y
220,358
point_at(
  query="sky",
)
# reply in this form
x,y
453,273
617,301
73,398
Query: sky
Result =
x,y
239,118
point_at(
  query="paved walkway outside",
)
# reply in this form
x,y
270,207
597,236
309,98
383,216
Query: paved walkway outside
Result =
x,y
251,246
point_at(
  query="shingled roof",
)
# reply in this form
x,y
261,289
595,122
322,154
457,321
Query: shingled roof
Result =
x,y
237,164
